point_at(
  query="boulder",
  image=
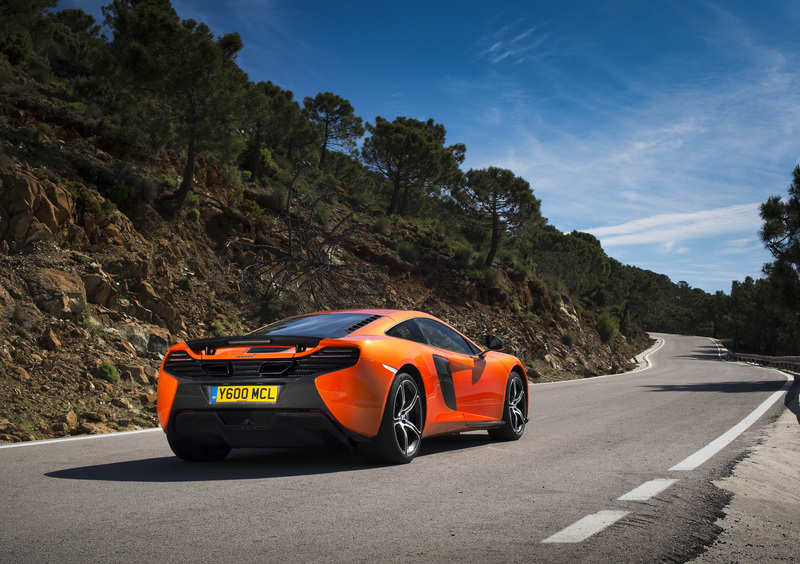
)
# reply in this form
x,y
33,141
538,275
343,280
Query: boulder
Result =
x,y
7,303
35,213
100,289
135,372
51,341
58,293
160,307
135,334
144,338
69,419
160,341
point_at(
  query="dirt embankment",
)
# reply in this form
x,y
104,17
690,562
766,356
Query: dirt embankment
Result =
x,y
92,294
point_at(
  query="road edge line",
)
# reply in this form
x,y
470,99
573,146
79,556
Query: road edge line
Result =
x,y
78,438
701,456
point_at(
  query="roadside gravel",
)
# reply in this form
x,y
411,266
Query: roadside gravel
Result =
x,y
762,522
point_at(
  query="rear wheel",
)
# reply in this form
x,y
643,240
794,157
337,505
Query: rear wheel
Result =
x,y
400,434
513,412
194,452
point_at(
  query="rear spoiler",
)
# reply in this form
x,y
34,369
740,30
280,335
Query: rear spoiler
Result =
x,y
206,346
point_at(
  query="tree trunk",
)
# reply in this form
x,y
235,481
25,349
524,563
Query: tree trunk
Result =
x,y
324,145
393,202
403,205
188,171
257,156
495,240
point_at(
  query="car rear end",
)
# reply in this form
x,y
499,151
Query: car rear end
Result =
x,y
250,396
260,390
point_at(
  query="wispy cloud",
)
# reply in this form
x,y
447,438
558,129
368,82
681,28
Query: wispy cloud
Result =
x,y
670,229
508,42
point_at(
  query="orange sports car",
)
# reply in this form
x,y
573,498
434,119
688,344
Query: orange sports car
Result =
x,y
379,380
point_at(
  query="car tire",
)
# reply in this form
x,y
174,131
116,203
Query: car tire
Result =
x,y
400,434
514,410
194,452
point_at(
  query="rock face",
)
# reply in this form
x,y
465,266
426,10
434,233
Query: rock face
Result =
x,y
33,211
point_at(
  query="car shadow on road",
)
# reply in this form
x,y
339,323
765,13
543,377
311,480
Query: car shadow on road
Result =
x,y
706,352
253,464
722,387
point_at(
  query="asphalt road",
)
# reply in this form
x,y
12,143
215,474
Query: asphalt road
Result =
x,y
545,498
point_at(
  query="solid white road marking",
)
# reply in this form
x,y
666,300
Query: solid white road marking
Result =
x,y
719,350
586,527
79,438
647,490
712,448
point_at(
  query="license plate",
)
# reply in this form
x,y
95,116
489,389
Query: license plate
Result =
x,y
249,394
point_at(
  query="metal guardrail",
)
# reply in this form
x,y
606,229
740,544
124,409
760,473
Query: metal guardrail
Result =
x,y
791,363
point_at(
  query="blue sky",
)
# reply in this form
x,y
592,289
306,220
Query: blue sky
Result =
x,y
658,126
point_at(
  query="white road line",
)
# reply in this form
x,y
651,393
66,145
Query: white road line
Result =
x,y
646,356
79,438
589,379
712,448
719,350
586,527
647,490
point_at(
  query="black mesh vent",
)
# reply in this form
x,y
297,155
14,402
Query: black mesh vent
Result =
x,y
363,323
326,360
180,363
321,362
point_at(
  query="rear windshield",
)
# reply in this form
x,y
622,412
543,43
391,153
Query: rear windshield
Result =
x,y
332,325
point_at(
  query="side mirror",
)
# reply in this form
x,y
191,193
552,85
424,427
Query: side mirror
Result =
x,y
494,343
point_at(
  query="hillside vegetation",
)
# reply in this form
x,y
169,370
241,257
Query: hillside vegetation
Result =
x,y
152,193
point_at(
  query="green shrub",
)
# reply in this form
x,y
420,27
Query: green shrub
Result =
x,y
224,327
49,130
524,267
252,207
17,315
266,164
192,200
119,193
491,277
75,109
166,183
277,198
44,174
84,197
234,176
507,255
462,256
408,252
85,321
193,215
607,326
219,329
568,339
323,216
185,283
382,225
109,372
